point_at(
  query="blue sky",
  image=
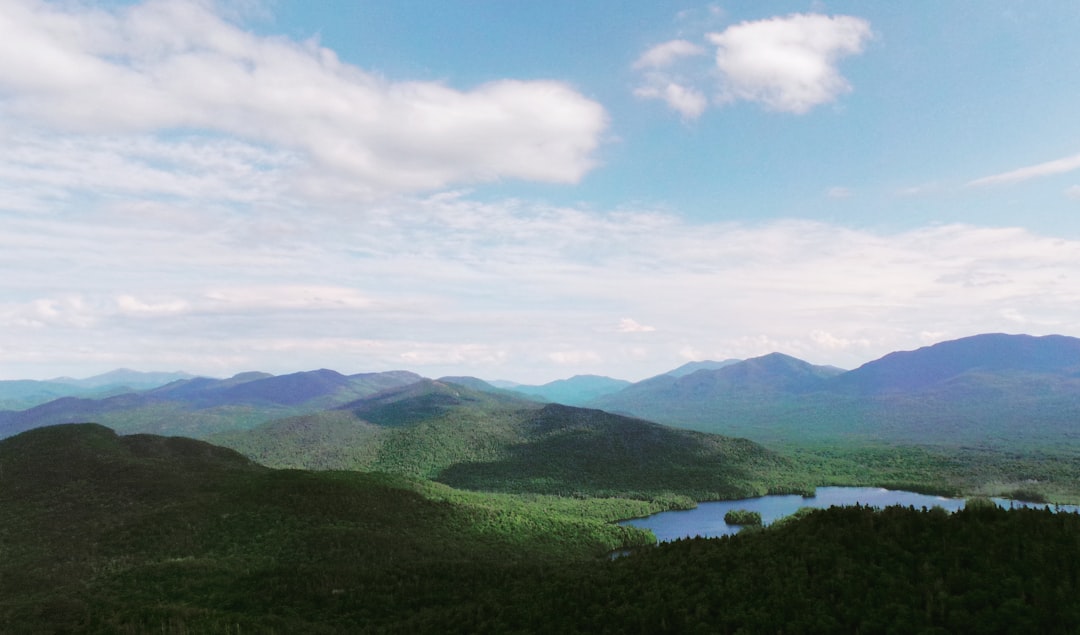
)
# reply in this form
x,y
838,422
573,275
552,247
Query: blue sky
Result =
x,y
529,190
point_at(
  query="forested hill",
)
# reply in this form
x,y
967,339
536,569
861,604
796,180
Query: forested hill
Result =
x,y
476,439
108,534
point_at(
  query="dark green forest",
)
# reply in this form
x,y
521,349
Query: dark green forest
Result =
x,y
101,533
841,570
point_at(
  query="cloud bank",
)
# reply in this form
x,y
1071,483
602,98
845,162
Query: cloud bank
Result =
x,y
448,285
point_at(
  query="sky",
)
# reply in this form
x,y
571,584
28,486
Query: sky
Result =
x,y
527,190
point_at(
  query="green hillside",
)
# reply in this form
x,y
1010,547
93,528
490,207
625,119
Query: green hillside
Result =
x,y
110,534
479,440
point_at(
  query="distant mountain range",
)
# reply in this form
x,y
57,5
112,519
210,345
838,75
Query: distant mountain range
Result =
x,y
26,393
201,406
992,390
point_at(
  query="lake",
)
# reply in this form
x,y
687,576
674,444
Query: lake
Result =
x,y
707,520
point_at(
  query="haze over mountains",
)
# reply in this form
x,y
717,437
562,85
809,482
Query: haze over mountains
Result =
x,y
987,390
25,393
201,406
990,390
575,391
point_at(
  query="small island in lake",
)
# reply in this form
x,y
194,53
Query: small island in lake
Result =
x,y
742,517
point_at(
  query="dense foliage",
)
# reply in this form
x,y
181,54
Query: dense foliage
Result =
x,y
1051,474
842,570
481,441
100,533
107,534
743,517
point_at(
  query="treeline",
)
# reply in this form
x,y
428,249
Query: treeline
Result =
x,y
1043,475
841,570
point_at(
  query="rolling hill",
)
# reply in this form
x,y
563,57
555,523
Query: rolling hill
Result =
x,y
481,440
105,534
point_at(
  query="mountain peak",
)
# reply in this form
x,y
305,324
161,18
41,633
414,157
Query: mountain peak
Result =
x,y
707,364
990,352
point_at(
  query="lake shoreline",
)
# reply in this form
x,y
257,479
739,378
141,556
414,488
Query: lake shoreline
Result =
x,y
706,520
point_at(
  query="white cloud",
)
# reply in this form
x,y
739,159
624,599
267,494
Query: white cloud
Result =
x,y
1050,168
627,325
1073,192
828,341
574,357
286,297
658,82
135,306
838,192
689,102
158,67
788,64
663,55
454,355
924,189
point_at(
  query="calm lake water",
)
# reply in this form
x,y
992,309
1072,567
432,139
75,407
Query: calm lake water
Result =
x,y
708,519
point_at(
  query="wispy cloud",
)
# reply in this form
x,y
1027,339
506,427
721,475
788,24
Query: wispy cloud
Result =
x,y
687,101
660,81
628,325
665,54
1050,168
450,285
